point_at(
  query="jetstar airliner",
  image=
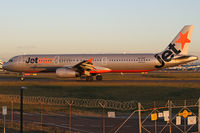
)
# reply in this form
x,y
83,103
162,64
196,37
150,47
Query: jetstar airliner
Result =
x,y
90,65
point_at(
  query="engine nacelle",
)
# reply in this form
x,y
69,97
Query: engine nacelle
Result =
x,y
66,73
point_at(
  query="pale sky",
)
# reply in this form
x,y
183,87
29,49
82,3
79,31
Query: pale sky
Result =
x,y
94,26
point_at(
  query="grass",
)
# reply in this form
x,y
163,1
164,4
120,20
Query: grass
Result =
x,y
118,93
142,94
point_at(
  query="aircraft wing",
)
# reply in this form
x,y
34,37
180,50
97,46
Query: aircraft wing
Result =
x,y
86,67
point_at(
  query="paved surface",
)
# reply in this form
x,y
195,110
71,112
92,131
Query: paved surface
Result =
x,y
94,124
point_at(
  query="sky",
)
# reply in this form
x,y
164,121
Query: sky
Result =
x,y
94,26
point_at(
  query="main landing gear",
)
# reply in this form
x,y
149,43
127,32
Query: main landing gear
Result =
x,y
98,78
22,78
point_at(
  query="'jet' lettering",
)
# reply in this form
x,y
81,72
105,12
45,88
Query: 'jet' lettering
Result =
x,y
167,55
39,60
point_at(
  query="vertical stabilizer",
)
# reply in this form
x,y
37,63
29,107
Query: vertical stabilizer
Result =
x,y
177,48
182,41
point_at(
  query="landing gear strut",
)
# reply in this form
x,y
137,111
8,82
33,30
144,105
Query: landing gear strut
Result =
x,y
21,76
99,77
89,78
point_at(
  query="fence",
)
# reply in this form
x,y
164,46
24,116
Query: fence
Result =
x,y
130,116
176,116
85,103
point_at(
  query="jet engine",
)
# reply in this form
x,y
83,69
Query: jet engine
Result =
x,y
66,73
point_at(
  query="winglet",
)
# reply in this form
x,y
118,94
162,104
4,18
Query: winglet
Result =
x,y
91,59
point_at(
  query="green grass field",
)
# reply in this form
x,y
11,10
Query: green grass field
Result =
x,y
120,91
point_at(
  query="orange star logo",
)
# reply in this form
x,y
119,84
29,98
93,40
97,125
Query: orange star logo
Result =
x,y
183,39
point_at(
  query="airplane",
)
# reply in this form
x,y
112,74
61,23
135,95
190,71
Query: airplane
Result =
x,y
90,65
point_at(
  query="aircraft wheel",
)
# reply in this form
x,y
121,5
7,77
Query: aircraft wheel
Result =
x,y
99,77
89,78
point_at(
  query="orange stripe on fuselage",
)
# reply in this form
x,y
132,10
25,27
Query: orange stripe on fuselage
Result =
x,y
130,71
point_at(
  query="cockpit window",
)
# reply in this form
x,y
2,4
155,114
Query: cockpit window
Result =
x,y
11,60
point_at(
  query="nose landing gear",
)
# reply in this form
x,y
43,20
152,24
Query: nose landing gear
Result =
x,y
22,78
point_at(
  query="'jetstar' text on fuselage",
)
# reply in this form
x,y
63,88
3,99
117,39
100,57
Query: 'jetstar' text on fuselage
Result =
x,y
39,60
